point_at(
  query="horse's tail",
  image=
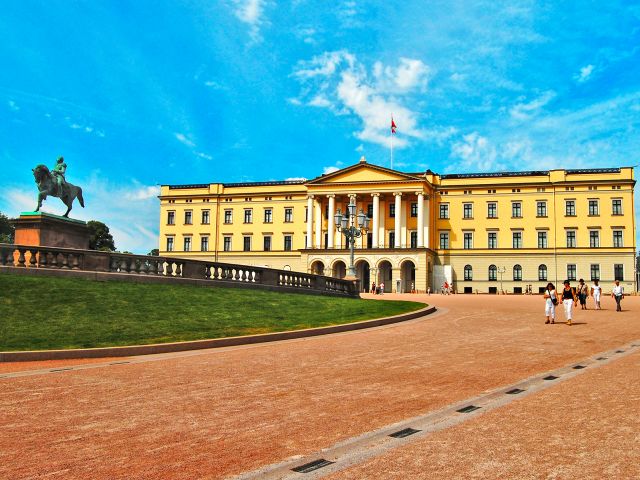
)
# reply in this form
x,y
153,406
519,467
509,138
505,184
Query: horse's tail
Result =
x,y
80,199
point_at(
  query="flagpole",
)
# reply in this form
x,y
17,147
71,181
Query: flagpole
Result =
x,y
391,150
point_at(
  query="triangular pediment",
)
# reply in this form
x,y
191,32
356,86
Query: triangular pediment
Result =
x,y
363,172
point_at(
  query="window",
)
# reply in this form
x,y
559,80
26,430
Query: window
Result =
x,y
492,240
171,218
267,243
268,215
571,239
617,238
248,215
616,206
187,244
492,210
542,240
414,240
444,240
205,217
370,210
594,210
414,210
204,244
392,210
468,272
188,216
288,215
570,208
517,273
246,243
169,244
467,209
227,244
517,239
493,273
392,239
571,271
594,238
516,210
618,272
595,271
468,240
287,243
228,216
541,209
444,211
542,272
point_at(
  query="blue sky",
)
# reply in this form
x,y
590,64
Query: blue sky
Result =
x,y
136,94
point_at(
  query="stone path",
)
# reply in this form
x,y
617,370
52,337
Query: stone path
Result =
x,y
220,413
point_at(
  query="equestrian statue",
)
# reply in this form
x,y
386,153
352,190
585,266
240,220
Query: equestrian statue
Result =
x,y
53,183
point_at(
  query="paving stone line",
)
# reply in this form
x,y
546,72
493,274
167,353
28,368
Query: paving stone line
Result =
x,y
371,444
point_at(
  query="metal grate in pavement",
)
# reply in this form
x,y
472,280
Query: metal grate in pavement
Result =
x,y
468,409
578,367
550,377
311,466
514,391
405,432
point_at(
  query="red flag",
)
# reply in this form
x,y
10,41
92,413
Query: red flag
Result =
x,y
393,126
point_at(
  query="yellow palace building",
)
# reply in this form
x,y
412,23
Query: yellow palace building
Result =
x,y
485,232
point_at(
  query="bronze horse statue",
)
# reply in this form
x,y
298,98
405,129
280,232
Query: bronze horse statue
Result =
x,y
47,185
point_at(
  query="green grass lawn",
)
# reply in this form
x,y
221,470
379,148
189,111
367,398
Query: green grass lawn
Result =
x,y
56,313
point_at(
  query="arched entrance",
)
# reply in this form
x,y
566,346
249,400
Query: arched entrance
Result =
x,y
317,268
385,275
407,276
339,269
363,273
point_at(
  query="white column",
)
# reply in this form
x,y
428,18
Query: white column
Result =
x,y
376,219
310,221
331,229
420,227
398,219
427,223
318,220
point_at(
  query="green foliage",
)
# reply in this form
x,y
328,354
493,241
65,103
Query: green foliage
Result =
x,y
100,238
38,312
155,252
7,231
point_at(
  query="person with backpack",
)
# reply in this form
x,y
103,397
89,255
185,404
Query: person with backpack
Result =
x,y
551,300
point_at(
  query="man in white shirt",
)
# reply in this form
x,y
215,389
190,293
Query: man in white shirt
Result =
x,y
618,294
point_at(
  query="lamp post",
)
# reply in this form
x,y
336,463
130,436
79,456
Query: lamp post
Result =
x,y
501,270
352,226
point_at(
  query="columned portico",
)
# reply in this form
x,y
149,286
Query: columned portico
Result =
x,y
318,222
376,219
331,228
310,221
398,220
420,226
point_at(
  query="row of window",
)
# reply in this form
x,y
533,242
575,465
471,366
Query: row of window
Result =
x,y
541,209
543,242
572,272
226,244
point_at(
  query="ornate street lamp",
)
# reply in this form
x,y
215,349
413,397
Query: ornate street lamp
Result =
x,y
501,271
352,226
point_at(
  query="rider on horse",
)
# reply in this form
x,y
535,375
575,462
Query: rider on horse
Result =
x,y
58,174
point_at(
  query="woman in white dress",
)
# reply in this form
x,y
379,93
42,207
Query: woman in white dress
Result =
x,y
596,293
549,305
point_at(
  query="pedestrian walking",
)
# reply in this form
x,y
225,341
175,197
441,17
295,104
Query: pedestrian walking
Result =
x,y
381,288
596,293
429,290
618,294
583,293
550,302
373,287
569,299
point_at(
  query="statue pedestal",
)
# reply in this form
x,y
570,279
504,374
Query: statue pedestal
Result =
x,y
45,229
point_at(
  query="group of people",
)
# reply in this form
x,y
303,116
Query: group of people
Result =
x,y
447,288
377,289
571,296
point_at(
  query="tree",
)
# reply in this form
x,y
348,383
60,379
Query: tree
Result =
x,y
100,238
155,252
7,231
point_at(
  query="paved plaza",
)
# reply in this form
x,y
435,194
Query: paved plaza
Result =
x,y
260,410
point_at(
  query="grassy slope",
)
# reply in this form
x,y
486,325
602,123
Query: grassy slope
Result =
x,y
52,313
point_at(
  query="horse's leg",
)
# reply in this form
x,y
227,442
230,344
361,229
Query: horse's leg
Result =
x,y
68,201
41,196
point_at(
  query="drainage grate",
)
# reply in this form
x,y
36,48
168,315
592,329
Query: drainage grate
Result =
x,y
550,377
601,358
118,363
467,409
60,369
404,433
619,351
514,391
311,466
579,367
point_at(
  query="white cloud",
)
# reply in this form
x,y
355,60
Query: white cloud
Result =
x,y
328,170
524,111
251,12
337,81
203,155
13,106
585,73
182,138
475,152
359,148
295,179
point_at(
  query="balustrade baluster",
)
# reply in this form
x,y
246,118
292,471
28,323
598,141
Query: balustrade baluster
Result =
x,y
42,259
76,261
65,260
21,259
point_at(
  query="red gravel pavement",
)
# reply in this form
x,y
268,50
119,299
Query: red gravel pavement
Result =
x,y
221,412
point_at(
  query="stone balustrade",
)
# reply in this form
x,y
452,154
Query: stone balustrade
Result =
x,y
113,264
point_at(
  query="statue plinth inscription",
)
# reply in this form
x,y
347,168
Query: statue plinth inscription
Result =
x,y
45,229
